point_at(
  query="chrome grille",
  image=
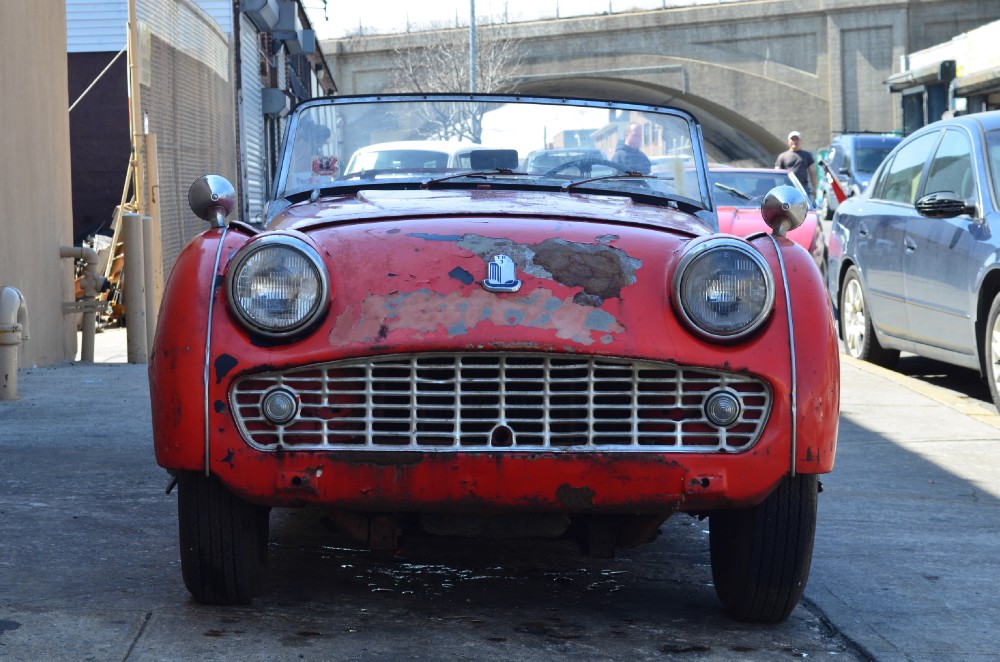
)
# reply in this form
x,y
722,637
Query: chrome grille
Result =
x,y
488,401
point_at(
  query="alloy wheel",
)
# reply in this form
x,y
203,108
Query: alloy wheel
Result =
x,y
852,318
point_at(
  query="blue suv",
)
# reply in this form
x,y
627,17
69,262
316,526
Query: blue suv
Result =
x,y
853,158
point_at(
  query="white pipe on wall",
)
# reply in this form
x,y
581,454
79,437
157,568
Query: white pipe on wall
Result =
x,y
13,329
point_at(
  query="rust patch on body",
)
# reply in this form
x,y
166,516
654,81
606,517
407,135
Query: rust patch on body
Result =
x,y
602,271
223,364
424,312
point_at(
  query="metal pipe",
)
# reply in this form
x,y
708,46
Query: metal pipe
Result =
x,y
13,329
92,282
134,289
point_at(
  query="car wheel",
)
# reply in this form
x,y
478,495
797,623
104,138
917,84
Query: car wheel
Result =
x,y
761,556
856,324
991,349
223,542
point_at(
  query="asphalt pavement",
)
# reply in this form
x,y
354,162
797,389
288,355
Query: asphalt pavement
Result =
x,y
906,561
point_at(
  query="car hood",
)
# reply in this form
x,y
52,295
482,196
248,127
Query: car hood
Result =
x,y
743,221
374,204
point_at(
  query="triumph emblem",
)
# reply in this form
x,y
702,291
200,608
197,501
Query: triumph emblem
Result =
x,y
500,275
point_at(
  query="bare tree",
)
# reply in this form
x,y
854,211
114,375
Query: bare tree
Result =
x,y
443,66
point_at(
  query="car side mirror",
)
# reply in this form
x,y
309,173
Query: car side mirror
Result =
x,y
943,204
784,208
212,198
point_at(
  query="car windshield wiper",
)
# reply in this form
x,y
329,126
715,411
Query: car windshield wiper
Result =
x,y
482,174
628,175
735,191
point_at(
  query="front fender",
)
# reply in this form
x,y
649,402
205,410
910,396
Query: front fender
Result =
x,y
816,384
179,348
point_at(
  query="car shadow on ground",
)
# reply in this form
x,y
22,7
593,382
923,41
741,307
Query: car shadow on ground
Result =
x,y
963,381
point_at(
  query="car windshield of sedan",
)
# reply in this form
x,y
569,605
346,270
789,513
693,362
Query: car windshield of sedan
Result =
x,y
342,145
746,188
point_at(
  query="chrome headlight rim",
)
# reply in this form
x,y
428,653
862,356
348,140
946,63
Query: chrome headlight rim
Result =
x,y
697,250
316,311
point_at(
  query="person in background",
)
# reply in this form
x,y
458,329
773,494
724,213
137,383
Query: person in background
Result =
x,y
627,153
800,162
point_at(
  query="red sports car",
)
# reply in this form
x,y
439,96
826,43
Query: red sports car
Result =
x,y
739,193
473,350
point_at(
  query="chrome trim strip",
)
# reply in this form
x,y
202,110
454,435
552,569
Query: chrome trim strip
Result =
x,y
791,348
208,339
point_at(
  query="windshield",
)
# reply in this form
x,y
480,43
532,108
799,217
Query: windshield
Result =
x,y
584,146
868,159
737,187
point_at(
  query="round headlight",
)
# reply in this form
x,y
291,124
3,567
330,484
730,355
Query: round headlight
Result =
x,y
278,286
724,288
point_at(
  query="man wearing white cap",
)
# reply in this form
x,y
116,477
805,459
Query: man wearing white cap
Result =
x,y
799,162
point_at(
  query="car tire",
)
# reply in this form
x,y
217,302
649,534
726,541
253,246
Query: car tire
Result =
x,y
761,555
223,541
856,329
991,351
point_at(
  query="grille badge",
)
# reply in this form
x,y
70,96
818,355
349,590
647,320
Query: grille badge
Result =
x,y
500,275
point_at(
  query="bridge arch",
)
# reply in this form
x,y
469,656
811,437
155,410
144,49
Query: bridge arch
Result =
x,y
750,71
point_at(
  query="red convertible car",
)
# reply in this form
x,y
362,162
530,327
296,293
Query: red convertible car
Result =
x,y
738,196
483,352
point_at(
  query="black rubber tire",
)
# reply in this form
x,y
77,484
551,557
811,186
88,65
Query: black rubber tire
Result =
x,y
223,542
991,352
761,555
855,322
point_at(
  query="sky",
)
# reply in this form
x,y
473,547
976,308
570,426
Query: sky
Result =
x,y
341,18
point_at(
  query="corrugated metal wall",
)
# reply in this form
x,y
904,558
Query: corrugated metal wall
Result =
x,y
252,130
191,110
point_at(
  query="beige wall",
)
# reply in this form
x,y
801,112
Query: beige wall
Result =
x,y
35,202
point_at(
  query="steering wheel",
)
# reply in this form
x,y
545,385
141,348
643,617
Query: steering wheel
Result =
x,y
584,166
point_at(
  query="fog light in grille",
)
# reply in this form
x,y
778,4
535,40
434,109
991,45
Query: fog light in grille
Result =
x,y
722,408
279,405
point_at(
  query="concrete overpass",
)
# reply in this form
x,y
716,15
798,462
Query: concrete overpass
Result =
x,y
750,70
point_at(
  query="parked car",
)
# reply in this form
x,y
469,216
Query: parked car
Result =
x,y
914,259
586,161
426,155
853,158
739,194
492,353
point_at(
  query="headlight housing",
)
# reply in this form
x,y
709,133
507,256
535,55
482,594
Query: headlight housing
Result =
x,y
278,286
723,288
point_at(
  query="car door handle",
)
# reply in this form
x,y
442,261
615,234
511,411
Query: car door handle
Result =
x,y
862,229
909,245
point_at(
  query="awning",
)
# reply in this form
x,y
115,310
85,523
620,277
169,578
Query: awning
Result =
x,y
987,80
938,72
